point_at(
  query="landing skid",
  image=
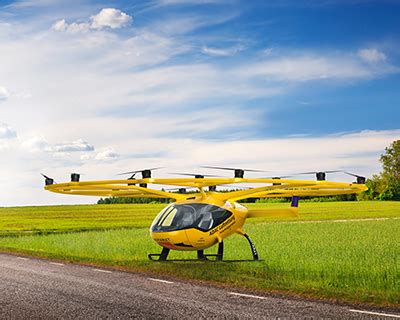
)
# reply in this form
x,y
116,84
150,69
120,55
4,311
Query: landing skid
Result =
x,y
218,257
252,247
207,261
161,256
201,256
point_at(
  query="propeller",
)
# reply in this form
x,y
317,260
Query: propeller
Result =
x,y
146,173
239,173
315,172
48,181
196,175
352,174
359,179
321,175
226,168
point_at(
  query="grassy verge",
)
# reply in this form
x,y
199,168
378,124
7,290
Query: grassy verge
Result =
x,y
354,261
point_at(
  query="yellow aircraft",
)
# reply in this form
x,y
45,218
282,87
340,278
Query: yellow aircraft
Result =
x,y
197,221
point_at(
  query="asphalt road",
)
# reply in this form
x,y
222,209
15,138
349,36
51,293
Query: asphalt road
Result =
x,y
40,289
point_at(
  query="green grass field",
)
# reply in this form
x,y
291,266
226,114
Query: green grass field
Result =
x,y
353,261
55,219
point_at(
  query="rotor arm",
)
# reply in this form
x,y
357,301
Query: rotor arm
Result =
x,y
326,189
94,188
271,188
254,192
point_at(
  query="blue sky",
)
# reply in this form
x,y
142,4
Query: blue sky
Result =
x,y
330,27
104,87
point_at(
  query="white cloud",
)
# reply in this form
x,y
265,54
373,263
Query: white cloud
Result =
x,y
110,17
38,143
299,153
86,156
4,94
183,24
267,51
72,28
35,143
7,132
222,52
107,154
78,27
74,146
60,25
312,67
371,55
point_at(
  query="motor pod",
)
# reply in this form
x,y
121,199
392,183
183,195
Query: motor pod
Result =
x,y
320,176
75,177
146,174
361,180
239,173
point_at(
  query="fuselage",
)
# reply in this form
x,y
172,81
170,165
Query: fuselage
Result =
x,y
197,223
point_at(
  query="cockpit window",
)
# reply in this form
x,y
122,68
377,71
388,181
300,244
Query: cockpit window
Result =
x,y
195,215
168,216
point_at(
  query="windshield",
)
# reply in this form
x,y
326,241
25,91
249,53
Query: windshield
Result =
x,y
194,215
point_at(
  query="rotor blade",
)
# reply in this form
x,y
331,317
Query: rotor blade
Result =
x,y
226,168
300,174
193,174
277,177
137,171
129,172
48,178
132,176
352,174
221,168
45,176
310,172
287,176
328,171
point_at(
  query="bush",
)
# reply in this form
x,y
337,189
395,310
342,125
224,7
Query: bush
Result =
x,y
391,192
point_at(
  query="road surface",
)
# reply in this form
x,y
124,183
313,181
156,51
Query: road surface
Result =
x,y
40,289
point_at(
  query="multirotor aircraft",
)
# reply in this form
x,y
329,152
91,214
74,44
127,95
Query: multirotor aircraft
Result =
x,y
197,221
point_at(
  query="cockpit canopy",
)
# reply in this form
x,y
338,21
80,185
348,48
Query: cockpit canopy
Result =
x,y
194,215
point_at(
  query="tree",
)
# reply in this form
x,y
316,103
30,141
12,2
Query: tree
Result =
x,y
391,192
391,172
386,185
391,161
